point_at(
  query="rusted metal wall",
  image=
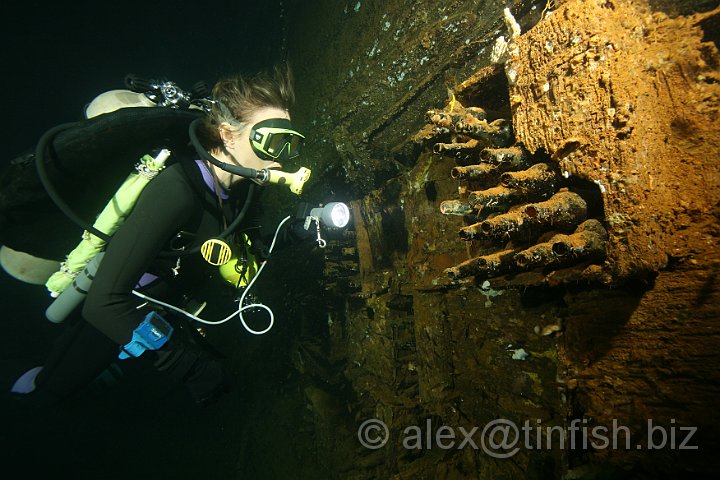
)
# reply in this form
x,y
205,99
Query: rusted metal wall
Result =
x,y
368,70
404,343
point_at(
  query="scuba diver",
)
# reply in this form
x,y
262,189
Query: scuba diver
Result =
x,y
209,191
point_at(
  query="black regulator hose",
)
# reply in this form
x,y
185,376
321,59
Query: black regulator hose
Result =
x,y
224,235
137,84
235,169
241,214
200,90
40,150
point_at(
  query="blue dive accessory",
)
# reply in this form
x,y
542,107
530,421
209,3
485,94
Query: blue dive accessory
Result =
x,y
276,139
151,334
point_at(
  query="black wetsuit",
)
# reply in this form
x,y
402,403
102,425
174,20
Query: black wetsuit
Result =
x,y
178,200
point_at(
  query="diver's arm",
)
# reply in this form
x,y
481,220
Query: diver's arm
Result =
x,y
292,233
261,237
164,207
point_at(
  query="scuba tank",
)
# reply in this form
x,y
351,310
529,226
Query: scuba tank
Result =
x,y
75,293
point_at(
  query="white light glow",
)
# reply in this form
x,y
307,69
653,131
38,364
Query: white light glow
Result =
x,y
339,215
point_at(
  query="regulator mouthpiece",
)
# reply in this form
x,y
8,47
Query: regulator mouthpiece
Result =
x,y
295,181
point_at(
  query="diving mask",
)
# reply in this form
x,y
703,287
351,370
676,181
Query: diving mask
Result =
x,y
275,139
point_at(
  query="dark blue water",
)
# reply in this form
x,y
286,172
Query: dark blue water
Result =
x,y
57,56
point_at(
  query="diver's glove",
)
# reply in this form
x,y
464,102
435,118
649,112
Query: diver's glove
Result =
x,y
296,231
204,377
292,233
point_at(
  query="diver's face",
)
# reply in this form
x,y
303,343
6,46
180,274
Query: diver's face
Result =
x,y
239,146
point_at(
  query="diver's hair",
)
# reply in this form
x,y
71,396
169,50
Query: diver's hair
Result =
x,y
236,97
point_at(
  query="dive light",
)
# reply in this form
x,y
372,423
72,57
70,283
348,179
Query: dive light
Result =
x,y
334,214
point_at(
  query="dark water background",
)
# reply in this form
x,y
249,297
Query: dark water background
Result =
x,y
57,56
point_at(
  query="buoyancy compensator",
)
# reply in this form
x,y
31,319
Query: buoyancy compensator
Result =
x,y
80,165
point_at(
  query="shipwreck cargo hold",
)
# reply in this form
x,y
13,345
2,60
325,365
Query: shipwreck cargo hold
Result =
x,y
530,285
